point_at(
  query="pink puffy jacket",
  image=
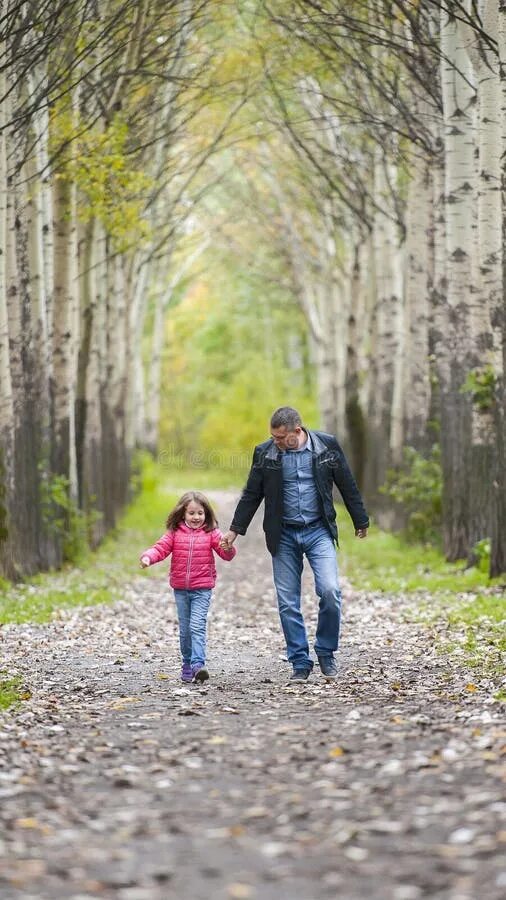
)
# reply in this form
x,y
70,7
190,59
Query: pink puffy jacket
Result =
x,y
192,555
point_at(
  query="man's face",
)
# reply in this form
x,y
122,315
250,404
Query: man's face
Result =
x,y
286,440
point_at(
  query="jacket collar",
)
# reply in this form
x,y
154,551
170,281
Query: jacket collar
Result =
x,y
317,446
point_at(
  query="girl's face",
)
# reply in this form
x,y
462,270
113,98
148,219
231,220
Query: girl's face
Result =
x,y
194,514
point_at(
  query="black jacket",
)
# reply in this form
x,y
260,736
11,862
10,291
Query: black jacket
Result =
x,y
265,482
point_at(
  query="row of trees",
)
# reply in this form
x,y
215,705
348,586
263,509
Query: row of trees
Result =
x,y
385,183
337,171
97,106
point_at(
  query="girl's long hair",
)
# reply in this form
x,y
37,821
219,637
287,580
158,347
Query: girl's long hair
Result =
x,y
177,515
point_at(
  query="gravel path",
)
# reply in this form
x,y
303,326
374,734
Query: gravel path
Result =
x,y
116,781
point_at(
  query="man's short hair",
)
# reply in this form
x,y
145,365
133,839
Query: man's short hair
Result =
x,y
286,416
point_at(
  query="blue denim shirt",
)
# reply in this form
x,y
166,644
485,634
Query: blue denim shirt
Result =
x,y
300,494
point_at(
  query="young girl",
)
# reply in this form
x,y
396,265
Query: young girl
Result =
x,y
192,535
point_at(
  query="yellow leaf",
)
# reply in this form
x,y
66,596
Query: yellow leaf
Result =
x,y
123,701
337,751
471,688
239,891
217,739
162,677
28,823
398,720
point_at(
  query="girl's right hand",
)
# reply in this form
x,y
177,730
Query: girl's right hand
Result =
x,y
145,562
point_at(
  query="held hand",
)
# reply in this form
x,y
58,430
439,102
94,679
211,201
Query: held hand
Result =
x,y
227,540
361,533
145,562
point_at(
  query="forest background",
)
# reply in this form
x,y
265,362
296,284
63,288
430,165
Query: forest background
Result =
x,y
209,208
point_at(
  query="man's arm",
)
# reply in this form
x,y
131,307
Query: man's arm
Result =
x,y
347,486
251,498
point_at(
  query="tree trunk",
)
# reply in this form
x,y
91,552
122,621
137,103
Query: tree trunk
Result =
x,y
387,259
456,406
356,429
496,272
65,328
6,392
88,408
415,372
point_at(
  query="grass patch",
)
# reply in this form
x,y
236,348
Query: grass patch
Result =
x,y
28,603
473,627
385,562
10,691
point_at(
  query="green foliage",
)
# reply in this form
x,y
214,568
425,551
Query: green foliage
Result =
x,y
229,362
481,553
480,383
110,189
64,519
143,473
417,486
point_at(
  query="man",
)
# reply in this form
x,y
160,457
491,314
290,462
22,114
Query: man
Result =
x,y
294,472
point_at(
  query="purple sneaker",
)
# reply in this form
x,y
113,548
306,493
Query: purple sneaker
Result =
x,y
200,674
186,672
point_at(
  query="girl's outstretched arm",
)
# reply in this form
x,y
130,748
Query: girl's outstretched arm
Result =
x,y
161,550
224,554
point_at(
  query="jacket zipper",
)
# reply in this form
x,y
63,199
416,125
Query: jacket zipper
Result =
x,y
188,565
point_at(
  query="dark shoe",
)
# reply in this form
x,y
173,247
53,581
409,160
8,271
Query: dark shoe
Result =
x,y
328,666
200,674
300,674
186,672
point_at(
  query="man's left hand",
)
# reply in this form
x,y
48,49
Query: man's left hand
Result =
x,y
361,533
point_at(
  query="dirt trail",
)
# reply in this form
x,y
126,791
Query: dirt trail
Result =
x,y
116,781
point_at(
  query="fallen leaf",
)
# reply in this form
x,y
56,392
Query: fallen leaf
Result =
x,y
239,891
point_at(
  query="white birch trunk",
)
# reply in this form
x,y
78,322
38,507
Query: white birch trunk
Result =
x,y
6,398
388,279
490,211
90,423
498,300
415,373
460,194
64,325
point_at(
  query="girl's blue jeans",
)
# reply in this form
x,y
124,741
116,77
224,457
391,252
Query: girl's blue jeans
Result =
x,y
192,609
315,543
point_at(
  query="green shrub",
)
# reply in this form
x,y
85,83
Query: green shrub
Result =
x,y
64,519
417,487
481,553
480,383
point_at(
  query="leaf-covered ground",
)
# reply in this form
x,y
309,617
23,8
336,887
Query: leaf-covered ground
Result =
x,y
116,781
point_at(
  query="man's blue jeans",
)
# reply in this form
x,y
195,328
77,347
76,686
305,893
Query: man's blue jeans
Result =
x,y
317,545
192,609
